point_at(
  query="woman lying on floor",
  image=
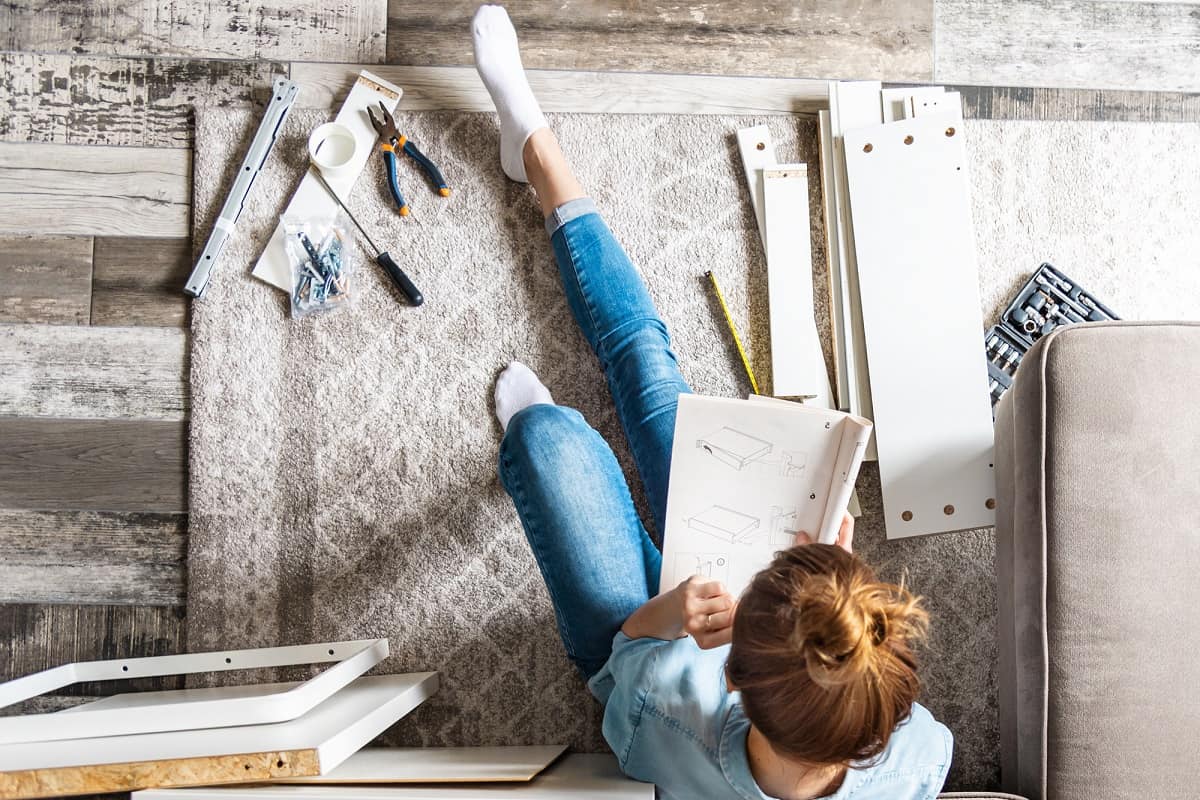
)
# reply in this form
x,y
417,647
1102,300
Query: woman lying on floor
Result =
x,y
804,687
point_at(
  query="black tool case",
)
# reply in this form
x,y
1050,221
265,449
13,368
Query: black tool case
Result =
x,y
1048,300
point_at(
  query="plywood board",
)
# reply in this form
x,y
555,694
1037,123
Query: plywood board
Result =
x,y
315,743
909,191
594,776
797,362
441,765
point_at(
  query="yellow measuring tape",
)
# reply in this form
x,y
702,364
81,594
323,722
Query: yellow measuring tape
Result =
x,y
733,329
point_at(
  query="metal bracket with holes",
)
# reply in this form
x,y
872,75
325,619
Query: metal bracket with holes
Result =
x,y
259,705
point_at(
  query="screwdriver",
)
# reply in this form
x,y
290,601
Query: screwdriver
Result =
x,y
381,257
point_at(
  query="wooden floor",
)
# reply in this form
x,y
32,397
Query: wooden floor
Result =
x,y
95,131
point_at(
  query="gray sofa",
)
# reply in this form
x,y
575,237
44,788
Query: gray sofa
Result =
x,y
1098,564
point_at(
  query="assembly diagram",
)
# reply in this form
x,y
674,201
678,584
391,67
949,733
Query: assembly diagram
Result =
x,y
710,565
725,524
783,526
746,453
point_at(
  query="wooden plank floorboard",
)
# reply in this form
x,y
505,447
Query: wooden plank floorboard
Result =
x,y
771,37
94,191
459,88
45,279
35,637
93,465
1079,105
1069,43
140,102
90,557
93,373
336,30
140,281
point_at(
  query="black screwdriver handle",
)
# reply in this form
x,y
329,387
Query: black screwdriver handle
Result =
x,y
401,280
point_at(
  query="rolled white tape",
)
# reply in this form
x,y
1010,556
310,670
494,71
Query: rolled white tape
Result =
x,y
331,147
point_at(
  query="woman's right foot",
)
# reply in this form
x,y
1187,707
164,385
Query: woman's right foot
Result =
x,y
517,388
498,60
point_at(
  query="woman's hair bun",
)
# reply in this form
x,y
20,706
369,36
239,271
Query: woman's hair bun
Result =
x,y
844,623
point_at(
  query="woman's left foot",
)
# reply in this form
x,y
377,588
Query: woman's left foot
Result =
x,y
517,388
498,60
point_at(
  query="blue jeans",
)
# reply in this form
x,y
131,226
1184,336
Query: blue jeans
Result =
x,y
595,555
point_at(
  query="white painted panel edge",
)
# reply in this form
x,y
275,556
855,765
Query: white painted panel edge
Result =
x,y
340,725
595,776
180,710
859,103
797,363
440,765
758,152
929,385
829,214
896,102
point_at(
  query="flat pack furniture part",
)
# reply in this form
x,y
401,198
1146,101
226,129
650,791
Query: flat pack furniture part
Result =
x,y
311,199
594,776
897,102
283,95
758,153
910,197
252,708
313,744
945,103
441,765
852,104
841,386
797,362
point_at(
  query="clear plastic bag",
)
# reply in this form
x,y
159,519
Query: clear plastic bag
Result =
x,y
321,265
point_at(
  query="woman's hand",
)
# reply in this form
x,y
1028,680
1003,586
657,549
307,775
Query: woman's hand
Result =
x,y
707,611
845,539
699,607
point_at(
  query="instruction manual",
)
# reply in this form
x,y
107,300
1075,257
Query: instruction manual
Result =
x,y
746,476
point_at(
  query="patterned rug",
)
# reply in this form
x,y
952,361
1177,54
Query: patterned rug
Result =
x,y
343,477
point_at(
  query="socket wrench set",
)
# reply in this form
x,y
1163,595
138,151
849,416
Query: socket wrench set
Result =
x,y
1047,301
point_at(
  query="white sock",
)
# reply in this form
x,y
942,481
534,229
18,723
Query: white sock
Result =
x,y
517,388
498,60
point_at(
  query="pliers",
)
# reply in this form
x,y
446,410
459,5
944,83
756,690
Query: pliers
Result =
x,y
391,143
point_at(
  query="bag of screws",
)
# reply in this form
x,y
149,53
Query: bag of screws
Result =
x,y
321,265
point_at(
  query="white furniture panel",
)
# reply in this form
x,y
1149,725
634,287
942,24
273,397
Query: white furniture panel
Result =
x,y
919,288
797,363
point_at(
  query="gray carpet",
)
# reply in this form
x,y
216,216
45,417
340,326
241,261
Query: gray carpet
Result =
x,y
342,469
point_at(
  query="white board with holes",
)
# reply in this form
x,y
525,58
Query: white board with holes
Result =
x,y
919,288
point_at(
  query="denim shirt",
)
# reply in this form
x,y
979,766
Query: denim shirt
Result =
x,y
671,722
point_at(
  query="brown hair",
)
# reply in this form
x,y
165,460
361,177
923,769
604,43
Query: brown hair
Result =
x,y
822,655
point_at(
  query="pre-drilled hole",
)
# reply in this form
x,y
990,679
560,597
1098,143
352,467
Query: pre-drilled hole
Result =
x,y
906,516
761,146
279,763
991,503
949,131
868,147
229,661
948,510
908,139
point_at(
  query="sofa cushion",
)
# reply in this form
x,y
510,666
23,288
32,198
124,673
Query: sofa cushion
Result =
x,y
1098,563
